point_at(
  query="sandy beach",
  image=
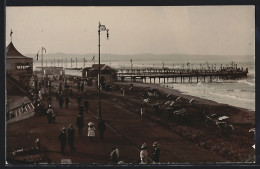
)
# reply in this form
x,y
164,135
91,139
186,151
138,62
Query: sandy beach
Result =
x,y
250,115
194,130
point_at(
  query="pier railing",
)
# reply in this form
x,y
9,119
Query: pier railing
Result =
x,y
180,73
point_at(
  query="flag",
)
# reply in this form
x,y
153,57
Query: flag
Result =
x,y
37,55
11,33
102,27
93,57
107,33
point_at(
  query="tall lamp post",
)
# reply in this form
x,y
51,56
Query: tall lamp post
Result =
x,y
100,28
43,49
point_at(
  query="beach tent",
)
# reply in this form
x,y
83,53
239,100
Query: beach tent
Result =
x,y
223,117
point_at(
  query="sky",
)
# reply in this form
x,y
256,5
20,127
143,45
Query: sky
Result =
x,y
198,30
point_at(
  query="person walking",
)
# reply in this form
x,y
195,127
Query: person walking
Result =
x,y
40,95
156,153
142,112
49,114
78,83
62,138
91,130
82,87
144,154
57,93
81,109
71,132
49,99
61,101
37,141
80,124
101,128
86,104
60,87
79,100
49,87
67,101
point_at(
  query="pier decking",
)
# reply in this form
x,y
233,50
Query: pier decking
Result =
x,y
182,74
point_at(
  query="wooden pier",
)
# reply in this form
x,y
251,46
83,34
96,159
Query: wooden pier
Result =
x,y
193,75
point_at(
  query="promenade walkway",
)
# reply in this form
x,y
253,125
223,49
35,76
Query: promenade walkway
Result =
x,y
125,131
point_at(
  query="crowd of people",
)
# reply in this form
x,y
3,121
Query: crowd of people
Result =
x,y
63,92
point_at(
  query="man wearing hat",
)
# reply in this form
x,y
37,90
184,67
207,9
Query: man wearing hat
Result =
x,y
61,101
81,109
49,114
67,101
156,153
86,104
62,138
80,124
79,100
71,132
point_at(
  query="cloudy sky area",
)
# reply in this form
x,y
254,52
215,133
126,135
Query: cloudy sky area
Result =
x,y
208,30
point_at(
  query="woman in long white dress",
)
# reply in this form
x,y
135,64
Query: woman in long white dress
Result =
x,y
91,130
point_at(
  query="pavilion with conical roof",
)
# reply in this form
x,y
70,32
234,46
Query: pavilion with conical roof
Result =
x,y
19,68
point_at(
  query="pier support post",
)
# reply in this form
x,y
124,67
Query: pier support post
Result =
x,y
150,80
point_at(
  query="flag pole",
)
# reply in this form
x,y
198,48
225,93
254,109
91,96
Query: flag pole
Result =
x,y
100,28
99,104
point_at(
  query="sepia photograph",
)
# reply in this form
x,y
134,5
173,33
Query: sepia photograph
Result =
x,y
130,85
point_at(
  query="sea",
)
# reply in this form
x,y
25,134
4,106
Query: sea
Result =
x,y
238,92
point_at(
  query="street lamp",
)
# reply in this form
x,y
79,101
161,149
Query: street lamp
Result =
x,y
43,49
100,28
